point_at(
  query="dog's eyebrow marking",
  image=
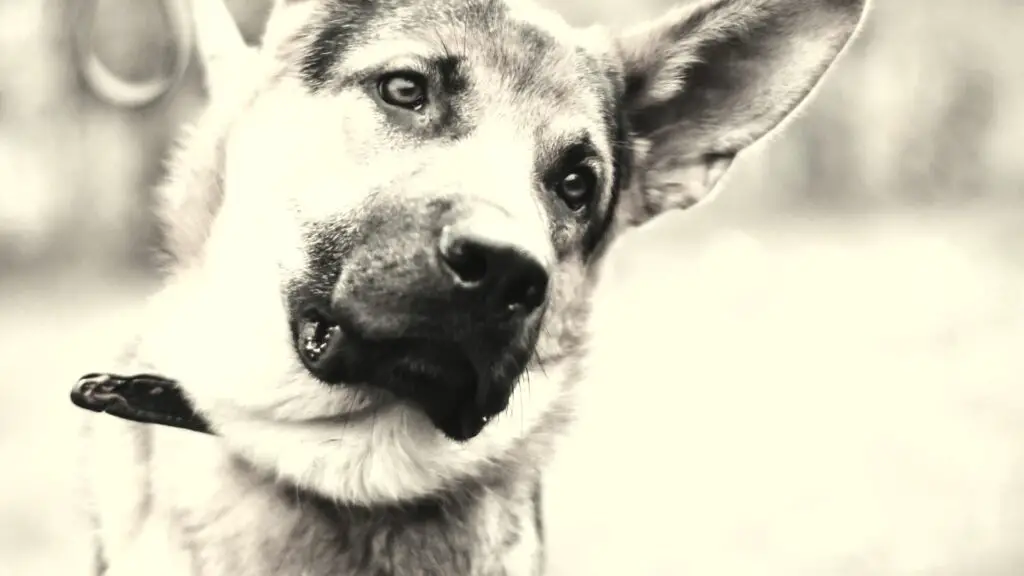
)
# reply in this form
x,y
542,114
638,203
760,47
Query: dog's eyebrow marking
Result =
x,y
453,74
566,152
331,35
380,54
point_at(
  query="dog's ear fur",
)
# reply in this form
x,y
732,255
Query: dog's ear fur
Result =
x,y
709,79
287,16
223,52
187,201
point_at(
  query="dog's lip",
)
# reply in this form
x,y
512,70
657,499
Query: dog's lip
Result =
x,y
450,382
463,427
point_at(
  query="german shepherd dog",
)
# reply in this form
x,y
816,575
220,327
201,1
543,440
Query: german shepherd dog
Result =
x,y
382,237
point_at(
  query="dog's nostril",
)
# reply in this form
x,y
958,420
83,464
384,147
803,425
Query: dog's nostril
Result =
x,y
527,291
468,261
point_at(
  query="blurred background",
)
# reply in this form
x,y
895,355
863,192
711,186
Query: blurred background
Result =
x,y
892,205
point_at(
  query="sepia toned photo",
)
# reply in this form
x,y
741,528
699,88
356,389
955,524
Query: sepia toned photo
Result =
x,y
511,288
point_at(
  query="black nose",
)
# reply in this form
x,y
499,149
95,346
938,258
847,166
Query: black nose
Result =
x,y
507,277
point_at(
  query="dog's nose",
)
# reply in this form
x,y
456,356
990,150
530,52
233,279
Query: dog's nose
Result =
x,y
506,276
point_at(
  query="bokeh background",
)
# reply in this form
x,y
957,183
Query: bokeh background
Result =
x,y
862,271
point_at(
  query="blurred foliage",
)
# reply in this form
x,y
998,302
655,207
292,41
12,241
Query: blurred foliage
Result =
x,y
924,110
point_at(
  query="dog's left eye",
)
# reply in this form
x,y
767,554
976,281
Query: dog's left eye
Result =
x,y
577,187
404,90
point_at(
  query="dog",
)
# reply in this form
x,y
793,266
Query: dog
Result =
x,y
381,239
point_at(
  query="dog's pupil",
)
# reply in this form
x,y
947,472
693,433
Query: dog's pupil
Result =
x,y
404,90
574,186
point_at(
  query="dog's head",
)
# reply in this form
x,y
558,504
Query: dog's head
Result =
x,y
385,239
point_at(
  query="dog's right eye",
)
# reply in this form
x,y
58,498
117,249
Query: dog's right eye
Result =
x,y
577,187
404,90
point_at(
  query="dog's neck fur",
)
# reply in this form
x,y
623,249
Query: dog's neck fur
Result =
x,y
193,506
209,510
479,530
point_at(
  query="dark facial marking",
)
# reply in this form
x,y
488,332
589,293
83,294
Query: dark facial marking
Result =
x,y
452,72
568,155
328,244
453,87
332,36
616,125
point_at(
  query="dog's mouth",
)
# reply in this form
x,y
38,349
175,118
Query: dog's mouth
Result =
x,y
460,388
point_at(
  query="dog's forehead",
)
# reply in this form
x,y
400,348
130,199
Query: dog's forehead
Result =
x,y
514,51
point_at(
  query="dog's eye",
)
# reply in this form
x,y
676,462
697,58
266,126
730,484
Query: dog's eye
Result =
x,y
403,89
577,187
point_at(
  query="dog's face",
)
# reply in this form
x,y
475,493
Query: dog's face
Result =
x,y
388,273
447,174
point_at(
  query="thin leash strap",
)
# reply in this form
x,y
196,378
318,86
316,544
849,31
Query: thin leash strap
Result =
x,y
119,91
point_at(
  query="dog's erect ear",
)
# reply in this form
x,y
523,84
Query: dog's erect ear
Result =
x,y
222,50
287,16
708,79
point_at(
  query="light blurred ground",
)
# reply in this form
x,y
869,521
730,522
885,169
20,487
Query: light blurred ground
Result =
x,y
818,397
830,390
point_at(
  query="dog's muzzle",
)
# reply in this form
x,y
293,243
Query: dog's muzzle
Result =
x,y
443,313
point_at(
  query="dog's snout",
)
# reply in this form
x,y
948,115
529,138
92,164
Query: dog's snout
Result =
x,y
437,302
505,275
